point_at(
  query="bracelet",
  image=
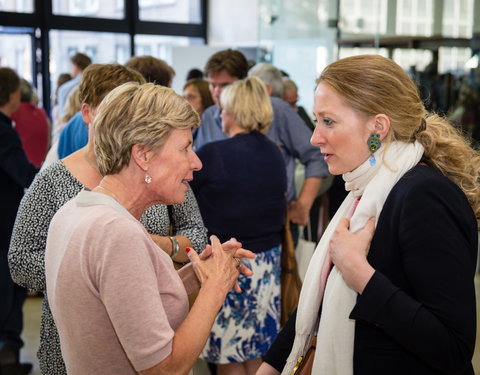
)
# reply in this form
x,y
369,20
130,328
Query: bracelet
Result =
x,y
175,246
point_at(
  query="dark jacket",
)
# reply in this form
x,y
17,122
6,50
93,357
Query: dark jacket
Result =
x,y
241,190
417,313
16,173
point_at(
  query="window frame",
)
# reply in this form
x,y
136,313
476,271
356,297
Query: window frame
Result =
x,y
42,20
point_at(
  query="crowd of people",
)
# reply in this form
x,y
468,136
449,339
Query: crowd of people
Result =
x,y
153,229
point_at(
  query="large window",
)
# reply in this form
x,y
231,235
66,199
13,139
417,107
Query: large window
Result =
x,y
100,47
415,17
16,52
160,46
453,59
38,43
181,11
457,18
363,17
21,6
412,60
89,8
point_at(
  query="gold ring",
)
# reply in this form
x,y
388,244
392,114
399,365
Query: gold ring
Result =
x,y
238,262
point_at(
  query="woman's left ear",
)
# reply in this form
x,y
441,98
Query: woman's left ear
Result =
x,y
382,125
140,154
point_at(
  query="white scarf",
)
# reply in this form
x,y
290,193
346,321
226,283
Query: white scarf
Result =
x,y
334,353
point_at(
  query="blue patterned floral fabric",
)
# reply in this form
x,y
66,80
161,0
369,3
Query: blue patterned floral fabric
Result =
x,y
248,322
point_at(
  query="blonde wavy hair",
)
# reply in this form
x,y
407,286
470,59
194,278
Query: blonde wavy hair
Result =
x,y
372,84
248,102
135,113
72,106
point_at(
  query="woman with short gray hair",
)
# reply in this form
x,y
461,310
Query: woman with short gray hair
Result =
x,y
119,305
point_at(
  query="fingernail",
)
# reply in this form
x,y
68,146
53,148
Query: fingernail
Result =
x,y
188,249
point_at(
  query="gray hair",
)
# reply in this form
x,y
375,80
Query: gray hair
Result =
x,y
270,75
26,91
137,114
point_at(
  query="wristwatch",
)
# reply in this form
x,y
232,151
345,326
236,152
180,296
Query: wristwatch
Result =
x,y
175,246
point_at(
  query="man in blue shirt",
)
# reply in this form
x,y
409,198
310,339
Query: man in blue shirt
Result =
x,y
287,131
79,63
73,137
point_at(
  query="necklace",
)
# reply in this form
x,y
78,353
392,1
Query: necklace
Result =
x,y
107,192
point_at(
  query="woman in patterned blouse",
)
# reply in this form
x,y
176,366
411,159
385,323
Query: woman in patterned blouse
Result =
x,y
62,181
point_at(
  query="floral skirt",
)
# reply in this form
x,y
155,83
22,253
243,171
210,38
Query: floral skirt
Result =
x,y
248,322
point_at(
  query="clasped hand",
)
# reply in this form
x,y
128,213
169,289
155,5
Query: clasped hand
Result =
x,y
221,262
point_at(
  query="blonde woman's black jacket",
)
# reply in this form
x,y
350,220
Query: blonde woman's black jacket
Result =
x,y
417,313
16,173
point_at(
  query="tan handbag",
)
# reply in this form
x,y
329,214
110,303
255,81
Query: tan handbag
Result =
x,y
305,363
290,280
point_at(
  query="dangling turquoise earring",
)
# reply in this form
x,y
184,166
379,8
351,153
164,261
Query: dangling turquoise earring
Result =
x,y
373,144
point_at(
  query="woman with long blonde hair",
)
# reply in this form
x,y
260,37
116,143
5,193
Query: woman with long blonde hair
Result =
x,y
400,298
